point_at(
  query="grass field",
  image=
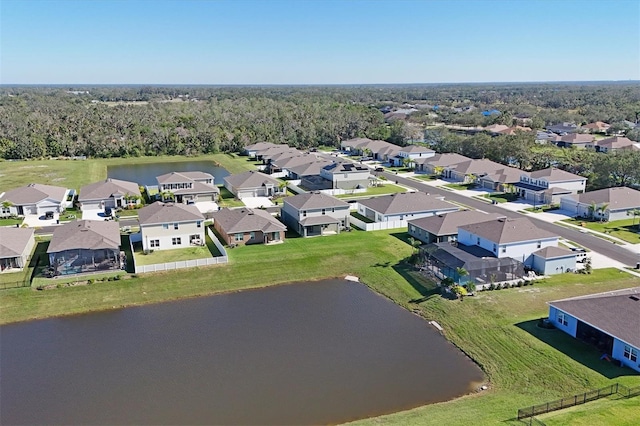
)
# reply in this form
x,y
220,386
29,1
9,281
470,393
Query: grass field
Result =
x,y
177,255
626,229
77,173
613,410
385,189
460,186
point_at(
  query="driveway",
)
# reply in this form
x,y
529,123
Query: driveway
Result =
x,y
93,214
207,206
34,220
256,202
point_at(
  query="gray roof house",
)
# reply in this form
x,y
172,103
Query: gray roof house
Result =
x,y
470,170
346,175
548,185
616,143
34,198
252,149
404,206
439,161
554,260
170,226
313,214
187,187
444,227
578,140
308,169
110,193
16,245
412,153
500,179
85,246
610,203
248,226
608,321
253,184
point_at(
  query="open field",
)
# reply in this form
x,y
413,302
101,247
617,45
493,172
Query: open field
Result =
x,y
625,229
77,173
459,186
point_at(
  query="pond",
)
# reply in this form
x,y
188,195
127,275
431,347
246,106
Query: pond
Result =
x,y
146,173
308,353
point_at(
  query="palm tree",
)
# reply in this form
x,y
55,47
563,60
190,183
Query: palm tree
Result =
x,y
407,162
602,209
438,171
167,195
634,213
461,273
592,210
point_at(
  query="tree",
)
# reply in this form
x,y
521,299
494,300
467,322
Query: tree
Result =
x,y
415,243
471,287
459,291
407,162
592,210
461,273
602,209
167,196
634,213
438,171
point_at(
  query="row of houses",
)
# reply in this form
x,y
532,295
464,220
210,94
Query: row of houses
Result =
x,y
386,152
588,141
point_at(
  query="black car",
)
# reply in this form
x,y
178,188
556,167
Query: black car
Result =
x,y
48,215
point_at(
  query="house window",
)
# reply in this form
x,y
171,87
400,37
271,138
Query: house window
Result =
x,y
6,210
199,224
539,244
175,226
504,249
630,353
304,213
495,248
478,241
154,243
562,318
412,228
252,235
165,226
176,241
323,211
239,237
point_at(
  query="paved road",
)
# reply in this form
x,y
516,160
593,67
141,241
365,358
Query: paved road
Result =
x,y
596,244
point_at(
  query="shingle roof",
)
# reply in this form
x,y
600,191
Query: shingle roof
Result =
x,y
311,200
198,188
553,252
478,166
33,193
85,234
598,125
577,138
246,220
448,223
160,212
616,142
106,188
179,177
619,197
416,148
309,169
250,179
407,202
508,230
13,241
496,128
293,161
616,313
552,174
345,167
445,160
258,146
506,175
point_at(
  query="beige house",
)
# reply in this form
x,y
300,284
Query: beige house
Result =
x,y
111,193
16,245
312,214
248,226
187,187
34,199
165,226
253,184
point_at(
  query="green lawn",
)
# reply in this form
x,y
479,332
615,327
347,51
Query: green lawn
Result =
x,y
177,255
77,173
543,208
623,229
361,217
501,197
227,199
425,177
613,410
387,188
10,221
460,186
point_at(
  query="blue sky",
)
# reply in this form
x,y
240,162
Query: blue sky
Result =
x,y
317,42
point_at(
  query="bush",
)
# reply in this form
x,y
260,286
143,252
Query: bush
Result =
x,y
90,281
117,277
520,284
492,286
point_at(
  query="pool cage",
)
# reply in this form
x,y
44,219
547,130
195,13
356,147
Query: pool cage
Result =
x,y
443,259
79,261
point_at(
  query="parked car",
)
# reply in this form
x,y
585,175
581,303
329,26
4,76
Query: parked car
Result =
x,y
48,215
108,211
379,169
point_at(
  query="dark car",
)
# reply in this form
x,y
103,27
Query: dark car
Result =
x,y
108,211
48,215
379,169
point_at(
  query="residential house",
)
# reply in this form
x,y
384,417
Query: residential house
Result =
x,y
265,154
609,321
346,175
254,184
252,149
353,146
496,128
444,227
313,213
439,163
85,246
470,170
553,260
109,193
577,140
548,186
187,187
34,199
404,206
377,149
510,131
308,169
563,128
597,127
16,245
280,167
500,180
248,226
165,226
616,143
506,237
606,204
411,153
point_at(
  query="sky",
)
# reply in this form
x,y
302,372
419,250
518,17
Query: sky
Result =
x,y
317,41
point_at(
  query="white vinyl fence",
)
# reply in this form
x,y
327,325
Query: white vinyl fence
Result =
x,y
377,226
193,263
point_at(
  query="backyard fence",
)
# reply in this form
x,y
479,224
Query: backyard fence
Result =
x,y
377,226
27,276
582,398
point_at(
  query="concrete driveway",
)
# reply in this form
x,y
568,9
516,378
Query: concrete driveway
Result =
x,y
94,214
34,220
207,206
256,202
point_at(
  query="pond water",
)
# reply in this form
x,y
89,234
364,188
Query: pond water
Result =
x,y
309,353
146,173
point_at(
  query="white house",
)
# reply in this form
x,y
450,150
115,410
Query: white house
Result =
x,y
404,206
188,187
110,193
506,237
608,321
253,184
606,204
34,199
167,226
537,186
412,152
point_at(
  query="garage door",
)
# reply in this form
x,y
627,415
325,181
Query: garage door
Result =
x,y
205,198
244,194
90,206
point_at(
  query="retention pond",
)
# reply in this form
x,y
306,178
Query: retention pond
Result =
x,y
146,173
308,353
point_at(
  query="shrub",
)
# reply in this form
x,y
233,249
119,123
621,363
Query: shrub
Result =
x,y
117,277
90,281
520,284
